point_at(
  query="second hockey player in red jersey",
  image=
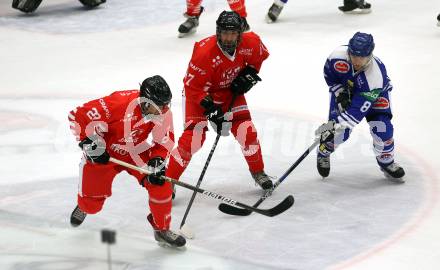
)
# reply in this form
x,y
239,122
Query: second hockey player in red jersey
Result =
x,y
118,125
222,65
194,9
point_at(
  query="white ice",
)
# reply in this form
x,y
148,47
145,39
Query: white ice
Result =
x,y
64,55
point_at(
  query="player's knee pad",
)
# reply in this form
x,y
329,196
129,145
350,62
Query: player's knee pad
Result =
x,y
26,6
92,3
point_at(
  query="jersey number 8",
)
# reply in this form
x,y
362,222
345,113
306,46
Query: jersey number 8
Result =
x,y
366,106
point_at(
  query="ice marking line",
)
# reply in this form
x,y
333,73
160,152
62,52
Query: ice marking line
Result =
x,y
413,224
24,197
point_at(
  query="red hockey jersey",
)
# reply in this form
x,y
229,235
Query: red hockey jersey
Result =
x,y
119,120
211,71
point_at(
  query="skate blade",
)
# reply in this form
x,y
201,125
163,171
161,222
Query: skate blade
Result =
x,y
357,11
269,20
394,180
169,246
182,35
438,23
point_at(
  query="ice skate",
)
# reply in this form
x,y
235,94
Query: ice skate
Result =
x,y
166,238
273,13
323,165
393,172
77,217
190,25
263,180
355,7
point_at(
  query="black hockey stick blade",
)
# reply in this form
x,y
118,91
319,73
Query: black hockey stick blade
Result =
x,y
274,211
282,206
232,210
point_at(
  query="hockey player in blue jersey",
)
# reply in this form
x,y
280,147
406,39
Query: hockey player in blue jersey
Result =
x,y
359,88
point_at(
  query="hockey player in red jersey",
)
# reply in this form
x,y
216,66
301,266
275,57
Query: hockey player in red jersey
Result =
x,y
222,65
118,125
194,9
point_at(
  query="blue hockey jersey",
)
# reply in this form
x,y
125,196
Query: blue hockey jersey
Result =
x,y
369,88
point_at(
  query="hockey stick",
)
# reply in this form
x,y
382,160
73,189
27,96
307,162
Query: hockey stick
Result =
x,y
185,231
271,212
231,210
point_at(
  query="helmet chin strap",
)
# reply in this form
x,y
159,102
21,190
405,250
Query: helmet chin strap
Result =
x,y
370,57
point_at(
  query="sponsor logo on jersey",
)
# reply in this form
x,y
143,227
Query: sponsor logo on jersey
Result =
x,y
341,66
105,108
216,61
197,69
381,104
117,149
245,51
128,92
371,95
203,42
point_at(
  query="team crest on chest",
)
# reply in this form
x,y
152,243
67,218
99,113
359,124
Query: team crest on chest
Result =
x,y
230,74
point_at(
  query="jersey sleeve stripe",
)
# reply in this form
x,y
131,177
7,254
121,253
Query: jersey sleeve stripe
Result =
x,y
336,87
351,117
346,121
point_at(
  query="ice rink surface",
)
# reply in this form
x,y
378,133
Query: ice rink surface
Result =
x,y
63,55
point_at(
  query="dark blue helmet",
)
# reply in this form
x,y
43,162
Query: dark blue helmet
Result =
x,y
361,44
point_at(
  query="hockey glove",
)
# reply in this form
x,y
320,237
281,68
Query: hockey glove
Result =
x,y
215,116
326,132
245,80
343,100
156,165
94,149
